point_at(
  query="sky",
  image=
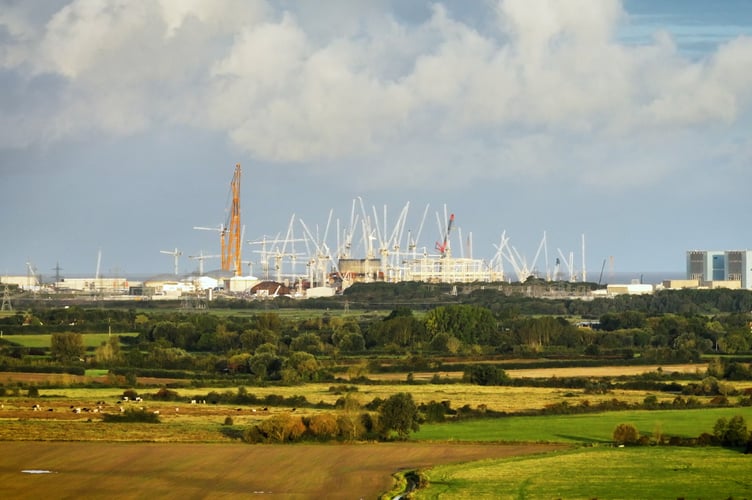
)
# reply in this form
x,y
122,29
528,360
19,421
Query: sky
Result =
x,y
624,121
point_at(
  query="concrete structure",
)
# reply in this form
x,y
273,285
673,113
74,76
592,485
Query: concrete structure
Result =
x,y
629,289
94,285
722,268
679,284
23,282
239,284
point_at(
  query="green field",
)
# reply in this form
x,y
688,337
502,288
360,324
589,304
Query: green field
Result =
x,y
43,340
585,428
657,472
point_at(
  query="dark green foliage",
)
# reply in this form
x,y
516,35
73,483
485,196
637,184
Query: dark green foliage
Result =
x,y
436,412
731,432
470,324
399,414
67,347
485,374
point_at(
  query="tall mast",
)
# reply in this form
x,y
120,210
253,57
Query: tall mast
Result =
x,y
231,258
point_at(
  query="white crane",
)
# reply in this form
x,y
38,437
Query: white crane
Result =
x,y
201,258
176,254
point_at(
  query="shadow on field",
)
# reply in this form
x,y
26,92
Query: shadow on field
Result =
x,y
583,439
232,433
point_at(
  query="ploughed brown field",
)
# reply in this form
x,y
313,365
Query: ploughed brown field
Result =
x,y
165,470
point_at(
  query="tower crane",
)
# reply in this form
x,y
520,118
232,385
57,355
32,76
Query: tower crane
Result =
x,y
175,253
230,233
201,258
444,246
231,258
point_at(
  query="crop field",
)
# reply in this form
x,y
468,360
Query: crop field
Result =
x,y
497,398
580,371
128,470
604,473
43,340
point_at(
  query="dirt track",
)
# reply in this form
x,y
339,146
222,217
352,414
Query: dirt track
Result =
x,y
132,470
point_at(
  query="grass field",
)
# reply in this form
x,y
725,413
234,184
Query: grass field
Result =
x,y
585,428
658,472
43,340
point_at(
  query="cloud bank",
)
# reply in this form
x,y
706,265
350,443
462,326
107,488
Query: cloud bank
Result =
x,y
544,89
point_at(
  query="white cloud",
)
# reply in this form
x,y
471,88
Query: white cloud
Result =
x,y
439,95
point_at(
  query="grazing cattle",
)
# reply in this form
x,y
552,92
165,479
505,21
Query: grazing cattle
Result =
x,y
193,401
36,407
50,409
156,412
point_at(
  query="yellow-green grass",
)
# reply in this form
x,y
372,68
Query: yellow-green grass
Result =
x,y
582,428
44,340
604,473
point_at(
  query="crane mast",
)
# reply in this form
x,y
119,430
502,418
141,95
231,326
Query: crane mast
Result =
x,y
444,246
231,257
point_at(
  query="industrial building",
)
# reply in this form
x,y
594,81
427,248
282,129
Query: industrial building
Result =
x,y
720,268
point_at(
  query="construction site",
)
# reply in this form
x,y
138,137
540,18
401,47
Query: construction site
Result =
x,y
369,246
315,260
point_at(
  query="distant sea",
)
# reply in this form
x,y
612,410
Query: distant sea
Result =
x,y
648,277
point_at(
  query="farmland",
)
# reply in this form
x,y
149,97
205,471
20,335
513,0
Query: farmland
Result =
x,y
658,472
129,470
490,392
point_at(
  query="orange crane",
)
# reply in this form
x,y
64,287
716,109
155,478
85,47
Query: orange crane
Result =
x,y
230,233
231,258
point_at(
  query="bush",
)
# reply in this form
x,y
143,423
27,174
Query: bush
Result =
x,y
323,426
732,432
626,434
485,374
132,415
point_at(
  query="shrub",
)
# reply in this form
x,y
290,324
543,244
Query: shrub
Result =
x,y
323,426
626,434
165,394
228,421
132,415
732,432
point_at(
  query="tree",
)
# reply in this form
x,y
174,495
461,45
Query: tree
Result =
x,y
399,413
300,367
485,374
626,434
732,432
67,347
470,324
108,351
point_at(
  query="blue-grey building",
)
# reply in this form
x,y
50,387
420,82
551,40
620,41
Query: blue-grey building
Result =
x,y
720,265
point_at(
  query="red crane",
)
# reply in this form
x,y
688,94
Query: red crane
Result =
x,y
443,247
